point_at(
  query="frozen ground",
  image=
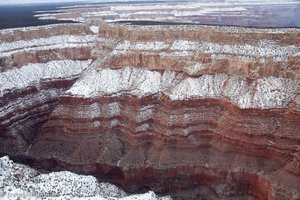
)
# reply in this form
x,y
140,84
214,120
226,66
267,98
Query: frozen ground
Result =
x,y
264,93
18,181
32,74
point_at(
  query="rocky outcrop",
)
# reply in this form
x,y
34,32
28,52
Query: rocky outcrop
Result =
x,y
191,111
35,70
19,181
28,95
41,45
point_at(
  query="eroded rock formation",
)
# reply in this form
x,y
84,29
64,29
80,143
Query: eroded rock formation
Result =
x,y
37,65
194,111
20,181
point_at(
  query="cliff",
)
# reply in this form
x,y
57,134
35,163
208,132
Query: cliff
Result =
x,y
194,111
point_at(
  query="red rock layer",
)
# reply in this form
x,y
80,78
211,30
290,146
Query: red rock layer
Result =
x,y
215,140
42,56
11,35
151,128
221,35
29,85
29,109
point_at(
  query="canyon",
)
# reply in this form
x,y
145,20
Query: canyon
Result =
x,y
192,111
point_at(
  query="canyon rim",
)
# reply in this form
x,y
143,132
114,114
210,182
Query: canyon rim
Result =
x,y
144,96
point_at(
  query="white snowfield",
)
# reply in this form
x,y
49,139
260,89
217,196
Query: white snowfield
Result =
x,y
154,10
264,93
94,29
207,11
262,48
142,46
18,181
32,74
61,41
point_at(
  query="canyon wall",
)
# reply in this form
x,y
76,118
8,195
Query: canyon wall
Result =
x,y
194,111
37,65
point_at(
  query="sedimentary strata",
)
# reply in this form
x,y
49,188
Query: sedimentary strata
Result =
x,y
35,70
194,111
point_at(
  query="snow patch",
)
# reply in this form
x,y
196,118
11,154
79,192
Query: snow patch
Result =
x,y
94,29
193,69
32,74
128,45
264,93
18,181
61,41
247,52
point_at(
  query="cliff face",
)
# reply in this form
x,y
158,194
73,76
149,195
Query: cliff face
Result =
x,y
37,65
197,111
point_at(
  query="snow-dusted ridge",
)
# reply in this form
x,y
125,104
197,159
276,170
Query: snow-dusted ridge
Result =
x,y
32,74
18,181
222,29
263,48
34,28
142,46
61,41
264,93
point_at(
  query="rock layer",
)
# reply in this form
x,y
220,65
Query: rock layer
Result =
x,y
35,70
191,111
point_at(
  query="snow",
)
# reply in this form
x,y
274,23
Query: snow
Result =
x,y
263,93
128,45
41,48
166,11
204,11
31,74
263,49
138,81
94,29
145,113
36,28
193,69
99,14
15,108
221,29
18,181
246,52
61,41
177,53
113,109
